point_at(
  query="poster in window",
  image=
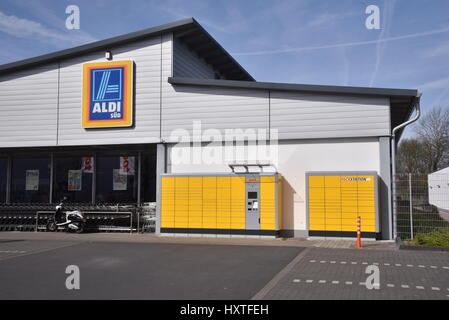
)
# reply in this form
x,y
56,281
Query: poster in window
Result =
x,y
88,164
127,165
32,180
119,181
74,182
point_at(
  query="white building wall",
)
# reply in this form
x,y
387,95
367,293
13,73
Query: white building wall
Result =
x,y
438,184
293,159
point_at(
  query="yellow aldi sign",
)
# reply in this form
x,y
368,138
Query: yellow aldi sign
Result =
x,y
108,94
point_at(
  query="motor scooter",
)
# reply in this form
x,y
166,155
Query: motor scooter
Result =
x,y
69,220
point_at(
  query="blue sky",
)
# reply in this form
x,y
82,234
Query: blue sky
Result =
x,y
295,41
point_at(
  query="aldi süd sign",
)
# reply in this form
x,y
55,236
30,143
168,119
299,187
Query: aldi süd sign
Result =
x,y
108,94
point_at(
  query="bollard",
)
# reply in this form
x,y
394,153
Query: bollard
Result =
x,y
359,240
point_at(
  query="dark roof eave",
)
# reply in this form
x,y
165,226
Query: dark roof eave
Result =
x,y
120,40
385,92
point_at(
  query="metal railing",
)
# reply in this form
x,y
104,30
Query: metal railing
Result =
x,y
100,218
421,204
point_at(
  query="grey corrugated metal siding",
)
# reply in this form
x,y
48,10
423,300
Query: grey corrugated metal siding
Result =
x,y
305,116
28,107
216,108
33,115
147,57
188,64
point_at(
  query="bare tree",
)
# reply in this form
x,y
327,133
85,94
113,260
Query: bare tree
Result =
x,y
433,133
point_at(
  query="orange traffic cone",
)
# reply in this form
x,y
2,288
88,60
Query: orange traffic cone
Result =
x,y
359,239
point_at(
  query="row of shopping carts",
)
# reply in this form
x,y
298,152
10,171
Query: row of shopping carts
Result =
x,y
100,218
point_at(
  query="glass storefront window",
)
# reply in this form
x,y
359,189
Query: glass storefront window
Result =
x,y
3,177
71,181
148,178
113,184
30,180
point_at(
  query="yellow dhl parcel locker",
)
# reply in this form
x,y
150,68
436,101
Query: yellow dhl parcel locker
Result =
x,y
246,204
336,199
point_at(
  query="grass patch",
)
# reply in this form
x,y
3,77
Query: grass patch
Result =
x,y
436,238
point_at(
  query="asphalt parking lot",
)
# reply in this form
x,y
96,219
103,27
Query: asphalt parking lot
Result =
x,y
35,269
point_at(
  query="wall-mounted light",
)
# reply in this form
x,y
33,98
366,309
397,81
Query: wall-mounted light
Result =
x,y
108,55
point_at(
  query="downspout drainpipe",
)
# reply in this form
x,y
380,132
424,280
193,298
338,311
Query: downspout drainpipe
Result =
x,y
393,158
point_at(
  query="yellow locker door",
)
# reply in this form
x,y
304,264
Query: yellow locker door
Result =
x,y
349,202
181,202
333,209
167,202
223,202
332,200
367,202
317,214
238,213
267,203
210,202
280,217
195,202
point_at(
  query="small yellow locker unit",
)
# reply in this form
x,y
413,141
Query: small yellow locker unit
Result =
x,y
336,199
246,204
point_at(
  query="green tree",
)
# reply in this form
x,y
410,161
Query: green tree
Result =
x,y
429,150
433,132
411,157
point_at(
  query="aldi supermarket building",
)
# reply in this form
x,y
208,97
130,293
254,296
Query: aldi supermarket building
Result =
x,y
166,115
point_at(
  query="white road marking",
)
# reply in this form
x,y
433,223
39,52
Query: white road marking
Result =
x,y
309,281
398,265
362,283
322,281
297,280
420,287
312,261
376,263
322,261
386,264
390,285
348,282
12,251
435,289
446,268
353,262
364,262
405,286
433,267
333,262
335,282
410,265
421,266
343,262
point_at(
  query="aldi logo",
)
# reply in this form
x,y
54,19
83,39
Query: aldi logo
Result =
x,y
108,94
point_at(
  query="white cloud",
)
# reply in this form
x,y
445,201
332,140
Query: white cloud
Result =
x,y
436,84
441,50
327,19
24,28
388,11
348,44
